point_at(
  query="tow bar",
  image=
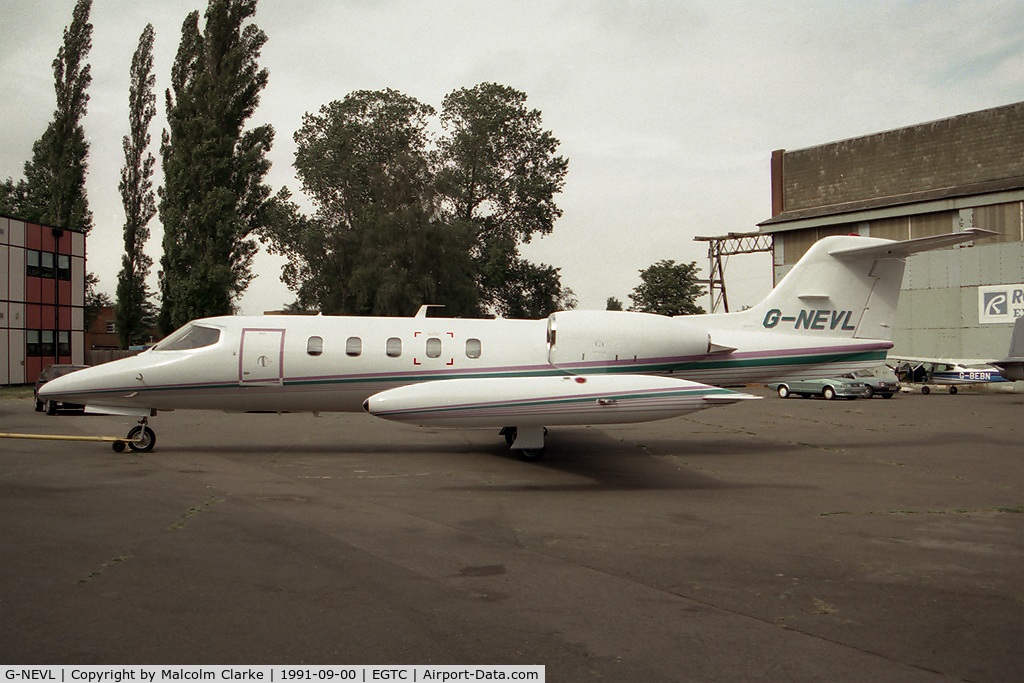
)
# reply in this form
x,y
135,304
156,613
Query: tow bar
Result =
x,y
118,443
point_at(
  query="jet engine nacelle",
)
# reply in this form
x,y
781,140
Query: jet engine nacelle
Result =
x,y
577,339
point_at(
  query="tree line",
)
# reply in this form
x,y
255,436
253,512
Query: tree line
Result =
x,y
402,216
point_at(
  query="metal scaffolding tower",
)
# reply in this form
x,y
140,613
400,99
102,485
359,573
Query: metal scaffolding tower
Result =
x,y
725,246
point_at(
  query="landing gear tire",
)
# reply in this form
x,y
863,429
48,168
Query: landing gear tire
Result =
x,y
783,391
534,436
952,389
925,390
144,444
531,454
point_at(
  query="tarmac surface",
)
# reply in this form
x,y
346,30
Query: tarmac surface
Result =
x,y
777,540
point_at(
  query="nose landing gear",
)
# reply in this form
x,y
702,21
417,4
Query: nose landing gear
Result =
x,y
140,439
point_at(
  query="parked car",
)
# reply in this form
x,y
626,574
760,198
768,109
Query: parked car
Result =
x,y
878,386
48,373
833,387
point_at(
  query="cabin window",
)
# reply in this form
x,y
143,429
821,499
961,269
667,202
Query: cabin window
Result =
x,y
353,346
433,347
394,347
315,346
189,337
473,348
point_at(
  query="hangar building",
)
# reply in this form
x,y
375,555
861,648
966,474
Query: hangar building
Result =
x,y
961,172
42,299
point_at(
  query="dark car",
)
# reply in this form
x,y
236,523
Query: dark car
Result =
x,y
884,386
48,373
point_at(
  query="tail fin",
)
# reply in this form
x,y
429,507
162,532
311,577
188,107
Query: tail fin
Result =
x,y
1017,341
847,286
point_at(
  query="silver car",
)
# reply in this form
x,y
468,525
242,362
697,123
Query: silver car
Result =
x,y
833,387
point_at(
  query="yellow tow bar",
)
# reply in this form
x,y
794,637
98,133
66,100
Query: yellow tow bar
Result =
x,y
118,442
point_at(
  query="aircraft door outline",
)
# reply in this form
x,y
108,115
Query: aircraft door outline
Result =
x,y
261,357
436,348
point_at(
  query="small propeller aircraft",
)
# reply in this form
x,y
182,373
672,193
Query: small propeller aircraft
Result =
x,y
830,315
955,373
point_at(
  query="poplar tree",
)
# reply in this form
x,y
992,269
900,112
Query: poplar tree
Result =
x,y
53,191
213,198
133,311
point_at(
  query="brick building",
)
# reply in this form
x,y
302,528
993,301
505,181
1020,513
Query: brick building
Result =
x,y
928,179
42,298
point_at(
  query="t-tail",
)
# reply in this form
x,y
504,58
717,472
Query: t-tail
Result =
x,y
832,314
845,286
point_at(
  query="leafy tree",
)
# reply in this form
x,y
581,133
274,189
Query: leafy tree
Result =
x,y
668,288
499,173
11,198
613,304
399,223
214,198
133,311
94,301
376,245
53,191
534,292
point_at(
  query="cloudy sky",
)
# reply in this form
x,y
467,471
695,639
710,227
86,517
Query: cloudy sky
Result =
x,y
668,110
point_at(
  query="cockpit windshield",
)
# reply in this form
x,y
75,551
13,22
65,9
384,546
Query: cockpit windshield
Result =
x,y
190,336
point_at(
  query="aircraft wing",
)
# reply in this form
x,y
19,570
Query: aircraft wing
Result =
x,y
546,400
918,360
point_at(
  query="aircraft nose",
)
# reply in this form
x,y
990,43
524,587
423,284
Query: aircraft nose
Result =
x,y
65,384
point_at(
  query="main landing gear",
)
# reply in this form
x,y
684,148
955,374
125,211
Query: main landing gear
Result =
x,y
528,442
140,439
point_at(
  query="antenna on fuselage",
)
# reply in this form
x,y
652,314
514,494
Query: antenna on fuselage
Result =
x,y
422,313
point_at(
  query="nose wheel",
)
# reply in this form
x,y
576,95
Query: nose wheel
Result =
x,y
140,439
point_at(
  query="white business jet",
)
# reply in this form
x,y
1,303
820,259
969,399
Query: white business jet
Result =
x,y
830,315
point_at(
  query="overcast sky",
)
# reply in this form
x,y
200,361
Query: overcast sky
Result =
x,y
667,110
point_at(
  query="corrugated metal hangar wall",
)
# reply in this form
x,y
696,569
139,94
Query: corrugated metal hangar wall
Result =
x,y
928,179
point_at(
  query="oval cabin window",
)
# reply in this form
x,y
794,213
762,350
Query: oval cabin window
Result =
x,y
315,346
353,346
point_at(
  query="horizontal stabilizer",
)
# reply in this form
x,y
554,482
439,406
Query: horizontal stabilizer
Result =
x,y
907,247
